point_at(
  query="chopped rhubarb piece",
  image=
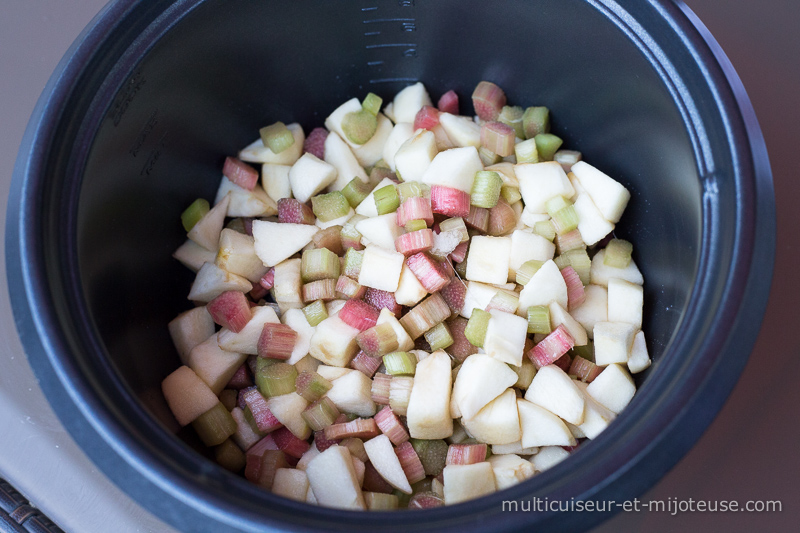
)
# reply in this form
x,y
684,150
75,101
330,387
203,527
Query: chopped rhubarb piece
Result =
x,y
271,461
461,347
425,315
478,218
564,362
366,364
390,424
240,173
359,314
428,271
502,219
311,386
459,253
382,299
288,443
254,454
425,500
427,118
381,387
575,292
466,454
378,340
330,238
488,100
551,348
322,289
449,201
584,369
230,310
276,341
322,442
267,281
291,211
415,208
258,293
374,482
498,138
257,406
414,242
362,428
348,288
454,294
241,379
315,142
410,462
448,103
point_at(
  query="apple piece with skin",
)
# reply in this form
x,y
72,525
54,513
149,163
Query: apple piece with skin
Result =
x,y
332,479
461,131
428,413
560,317
287,408
192,255
613,388
480,380
274,241
211,281
548,457
488,259
275,181
505,337
610,196
455,168
334,342
309,176
237,255
467,482
290,483
612,342
214,365
540,427
256,152
206,231
552,389
546,286
540,182
189,329
187,395
246,341
510,469
497,422
352,393
594,308
246,203
600,273
401,132
625,302
288,285
339,154
414,156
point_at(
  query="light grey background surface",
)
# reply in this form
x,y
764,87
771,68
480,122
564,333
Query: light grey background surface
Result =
x,y
748,453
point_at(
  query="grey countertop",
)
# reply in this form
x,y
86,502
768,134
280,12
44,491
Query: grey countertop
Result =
x,y
748,453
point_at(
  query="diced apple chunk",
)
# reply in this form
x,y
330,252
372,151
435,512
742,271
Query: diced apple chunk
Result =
x,y
275,241
546,286
287,408
454,168
206,231
214,365
339,154
381,454
244,202
548,457
334,342
488,259
310,175
461,131
505,337
540,427
287,289
211,281
409,290
401,132
510,469
237,255
613,388
246,341
380,268
625,302
371,151
409,101
478,296
189,329
291,483
591,224
296,319
594,308
275,181
497,422
639,359
428,414
467,482
612,342
334,121
526,246
480,380
601,273
187,395
192,255
367,206
333,481
256,152
540,182
514,447
380,230
608,195
597,417
560,317
552,389
415,155
352,393
404,340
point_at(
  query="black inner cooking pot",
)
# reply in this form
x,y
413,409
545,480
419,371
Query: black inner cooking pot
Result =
x,y
142,111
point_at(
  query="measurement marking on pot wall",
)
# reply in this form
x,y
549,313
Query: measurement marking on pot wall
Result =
x,y
390,24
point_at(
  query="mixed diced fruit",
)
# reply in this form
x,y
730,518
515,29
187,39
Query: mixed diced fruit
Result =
x,y
407,307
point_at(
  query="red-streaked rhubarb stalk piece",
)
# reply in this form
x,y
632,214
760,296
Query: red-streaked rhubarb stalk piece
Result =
x,y
563,362
466,454
552,347
430,273
410,462
254,455
390,424
230,310
311,386
498,138
478,218
448,103
359,314
488,100
267,281
415,208
315,142
365,364
414,242
240,173
271,461
425,315
378,340
374,482
460,253
502,219
348,288
276,341
461,347
257,293
425,500
382,300
454,294
291,211
381,387
320,414
241,379
362,428
575,291
257,404
427,118
322,442
289,444
322,289
584,369
330,238
449,201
